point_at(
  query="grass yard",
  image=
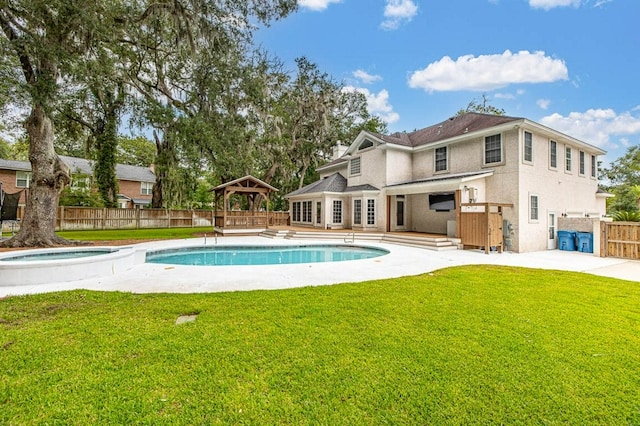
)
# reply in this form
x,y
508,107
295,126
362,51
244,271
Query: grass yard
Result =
x,y
135,234
466,345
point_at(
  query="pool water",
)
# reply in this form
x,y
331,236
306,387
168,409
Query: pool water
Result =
x,y
262,255
56,255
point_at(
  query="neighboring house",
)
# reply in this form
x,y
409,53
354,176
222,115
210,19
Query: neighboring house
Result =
x,y
135,183
416,181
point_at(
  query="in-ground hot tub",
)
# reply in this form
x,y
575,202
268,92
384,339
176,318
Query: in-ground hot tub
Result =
x,y
41,266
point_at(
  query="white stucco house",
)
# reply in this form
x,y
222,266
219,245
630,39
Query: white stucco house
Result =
x,y
424,181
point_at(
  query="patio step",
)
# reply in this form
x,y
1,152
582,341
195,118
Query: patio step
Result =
x,y
275,233
439,243
431,243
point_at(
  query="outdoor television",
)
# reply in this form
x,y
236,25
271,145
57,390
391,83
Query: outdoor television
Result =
x,y
442,202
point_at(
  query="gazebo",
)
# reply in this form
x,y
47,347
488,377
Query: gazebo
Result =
x,y
230,220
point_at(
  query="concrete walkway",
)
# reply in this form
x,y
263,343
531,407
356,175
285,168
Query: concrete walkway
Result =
x,y
401,261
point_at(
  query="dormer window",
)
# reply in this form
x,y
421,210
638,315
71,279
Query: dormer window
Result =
x,y
365,144
354,166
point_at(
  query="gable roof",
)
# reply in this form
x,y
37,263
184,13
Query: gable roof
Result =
x,y
248,181
82,165
454,126
335,183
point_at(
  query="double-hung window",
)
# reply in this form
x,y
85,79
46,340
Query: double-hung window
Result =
x,y
553,154
23,179
594,166
146,188
567,159
582,165
441,159
528,147
534,208
492,149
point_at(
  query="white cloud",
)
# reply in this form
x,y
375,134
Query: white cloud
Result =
x,y
316,4
488,72
377,104
550,4
397,12
543,103
595,126
510,96
365,77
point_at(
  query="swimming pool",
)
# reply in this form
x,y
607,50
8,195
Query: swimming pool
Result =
x,y
262,255
41,266
57,254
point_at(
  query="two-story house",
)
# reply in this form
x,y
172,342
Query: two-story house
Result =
x,y
135,183
420,181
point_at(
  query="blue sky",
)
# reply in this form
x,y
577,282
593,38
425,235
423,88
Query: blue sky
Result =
x,y
573,65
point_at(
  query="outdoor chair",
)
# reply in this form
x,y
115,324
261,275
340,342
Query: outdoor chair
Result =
x,y
9,209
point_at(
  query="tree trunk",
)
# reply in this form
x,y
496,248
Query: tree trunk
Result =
x,y
49,177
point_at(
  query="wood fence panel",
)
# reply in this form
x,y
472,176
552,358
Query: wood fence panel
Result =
x,y
620,239
92,218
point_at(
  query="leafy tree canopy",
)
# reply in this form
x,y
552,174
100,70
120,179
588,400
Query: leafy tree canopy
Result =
x,y
481,106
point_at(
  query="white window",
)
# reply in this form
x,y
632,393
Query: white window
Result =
x,y
441,159
357,212
337,211
371,212
594,166
306,211
553,154
23,179
296,211
354,166
534,208
567,159
492,149
318,212
528,147
146,188
582,165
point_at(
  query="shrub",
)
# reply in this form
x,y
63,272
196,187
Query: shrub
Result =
x,y
626,216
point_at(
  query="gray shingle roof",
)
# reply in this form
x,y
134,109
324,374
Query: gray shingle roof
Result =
x,y
82,165
455,126
15,165
334,183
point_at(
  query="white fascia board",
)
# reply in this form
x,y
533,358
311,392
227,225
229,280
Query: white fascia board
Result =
x,y
435,186
333,166
359,139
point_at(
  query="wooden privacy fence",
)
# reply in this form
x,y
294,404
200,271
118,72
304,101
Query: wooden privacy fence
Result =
x,y
620,239
89,218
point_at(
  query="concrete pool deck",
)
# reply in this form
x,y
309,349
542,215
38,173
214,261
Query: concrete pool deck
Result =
x,y
401,261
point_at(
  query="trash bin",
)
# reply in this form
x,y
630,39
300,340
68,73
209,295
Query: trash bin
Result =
x,y
567,240
585,242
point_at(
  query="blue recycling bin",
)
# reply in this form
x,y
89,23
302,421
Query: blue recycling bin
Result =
x,y
585,242
567,240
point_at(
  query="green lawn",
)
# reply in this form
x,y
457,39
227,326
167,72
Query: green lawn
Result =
x,y
138,234
466,345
